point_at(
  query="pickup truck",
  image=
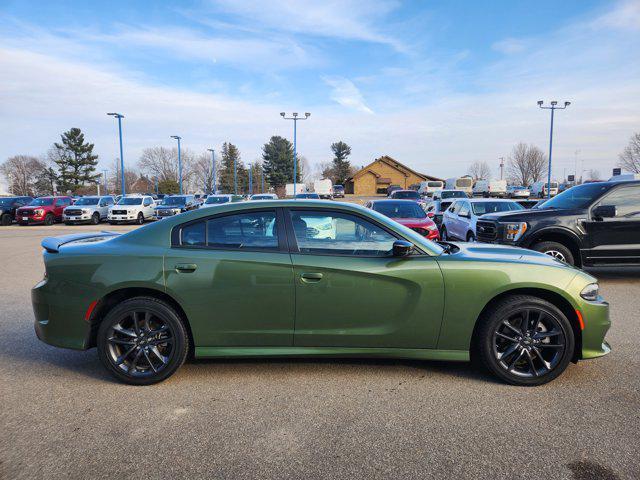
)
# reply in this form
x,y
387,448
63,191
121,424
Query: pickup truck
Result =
x,y
594,224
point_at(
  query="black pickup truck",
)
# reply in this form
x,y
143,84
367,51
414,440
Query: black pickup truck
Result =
x,y
8,207
587,225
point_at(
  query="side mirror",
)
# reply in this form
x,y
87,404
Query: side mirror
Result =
x,y
402,248
604,211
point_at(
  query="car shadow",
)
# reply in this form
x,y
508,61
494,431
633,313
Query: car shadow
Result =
x,y
612,273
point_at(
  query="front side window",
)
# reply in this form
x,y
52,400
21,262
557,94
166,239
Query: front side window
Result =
x,y
147,202
464,209
335,233
626,200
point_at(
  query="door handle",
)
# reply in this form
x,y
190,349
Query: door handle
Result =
x,y
186,267
311,277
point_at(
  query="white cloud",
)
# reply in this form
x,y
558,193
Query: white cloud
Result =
x,y
509,46
346,94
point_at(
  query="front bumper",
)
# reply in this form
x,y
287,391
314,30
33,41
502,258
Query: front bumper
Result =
x,y
85,217
122,218
596,325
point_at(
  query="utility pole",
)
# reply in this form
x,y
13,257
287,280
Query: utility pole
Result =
x,y
119,116
553,108
213,170
294,117
501,168
178,138
250,180
104,180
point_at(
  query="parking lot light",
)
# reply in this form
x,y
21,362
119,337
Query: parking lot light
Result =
x,y
295,118
178,138
554,106
119,116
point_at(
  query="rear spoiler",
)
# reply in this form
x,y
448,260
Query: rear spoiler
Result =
x,y
53,244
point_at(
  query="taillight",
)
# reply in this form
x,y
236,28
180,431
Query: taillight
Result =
x,y
431,214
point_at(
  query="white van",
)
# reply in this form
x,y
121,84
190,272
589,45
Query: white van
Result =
x,y
490,188
324,188
539,189
460,183
428,188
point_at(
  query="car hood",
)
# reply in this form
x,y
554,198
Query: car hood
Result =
x,y
414,222
527,215
505,253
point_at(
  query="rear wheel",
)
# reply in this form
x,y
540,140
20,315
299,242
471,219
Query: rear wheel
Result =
x,y
48,219
6,220
471,237
142,341
524,340
555,250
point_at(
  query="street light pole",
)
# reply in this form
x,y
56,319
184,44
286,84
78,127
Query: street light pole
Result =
x,y
213,170
235,175
501,167
104,180
119,116
250,180
553,108
179,162
294,117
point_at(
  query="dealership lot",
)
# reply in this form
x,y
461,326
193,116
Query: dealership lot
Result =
x,y
64,416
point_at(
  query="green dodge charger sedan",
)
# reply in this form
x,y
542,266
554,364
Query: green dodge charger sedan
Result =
x,y
312,278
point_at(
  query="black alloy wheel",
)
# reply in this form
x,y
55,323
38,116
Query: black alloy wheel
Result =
x,y
525,340
95,218
140,218
142,341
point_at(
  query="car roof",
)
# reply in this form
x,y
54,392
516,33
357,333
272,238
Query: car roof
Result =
x,y
394,200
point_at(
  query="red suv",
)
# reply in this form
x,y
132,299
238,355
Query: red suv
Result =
x,y
44,210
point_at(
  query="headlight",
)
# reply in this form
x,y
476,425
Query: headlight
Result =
x,y
590,292
86,210
514,231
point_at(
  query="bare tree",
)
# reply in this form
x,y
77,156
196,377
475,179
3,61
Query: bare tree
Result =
x,y
630,157
23,173
593,174
130,177
162,163
202,173
526,164
480,170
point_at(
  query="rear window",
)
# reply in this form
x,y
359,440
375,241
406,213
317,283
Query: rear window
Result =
x,y
399,209
406,194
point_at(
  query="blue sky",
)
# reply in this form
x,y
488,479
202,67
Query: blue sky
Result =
x,y
437,85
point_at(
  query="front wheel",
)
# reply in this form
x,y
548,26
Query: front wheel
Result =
x,y
555,250
142,341
48,220
471,237
6,220
524,340
95,218
140,219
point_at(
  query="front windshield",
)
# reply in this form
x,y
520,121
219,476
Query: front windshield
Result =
x,y
174,201
407,194
434,184
42,202
130,201
580,196
456,194
87,201
480,208
213,200
338,188
399,209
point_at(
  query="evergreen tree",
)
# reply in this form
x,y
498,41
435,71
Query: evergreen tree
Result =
x,y
278,162
341,168
230,155
75,160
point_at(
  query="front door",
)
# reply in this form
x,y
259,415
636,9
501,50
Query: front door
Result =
x,y
350,291
232,274
615,240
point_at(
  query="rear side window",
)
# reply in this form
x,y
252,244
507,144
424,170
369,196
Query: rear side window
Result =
x,y
251,230
626,200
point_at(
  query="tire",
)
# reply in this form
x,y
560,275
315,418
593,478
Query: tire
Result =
x,y
48,220
443,234
491,348
471,237
140,219
556,250
134,356
6,220
95,218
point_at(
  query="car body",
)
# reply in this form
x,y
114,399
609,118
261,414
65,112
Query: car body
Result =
x,y
429,187
219,199
407,213
392,188
8,207
540,189
308,196
411,195
449,194
194,282
132,209
88,210
264,196
490,188
436,208
175,204
593,224
459,220
527,203
518,191
43,210
338,191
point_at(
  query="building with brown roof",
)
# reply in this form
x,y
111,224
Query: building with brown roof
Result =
x,y
380,174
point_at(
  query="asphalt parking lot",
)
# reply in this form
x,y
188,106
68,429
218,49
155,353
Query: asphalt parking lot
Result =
x,y
62,415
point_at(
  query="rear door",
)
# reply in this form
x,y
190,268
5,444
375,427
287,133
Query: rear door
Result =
x,y
232,273
350,291
615,240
